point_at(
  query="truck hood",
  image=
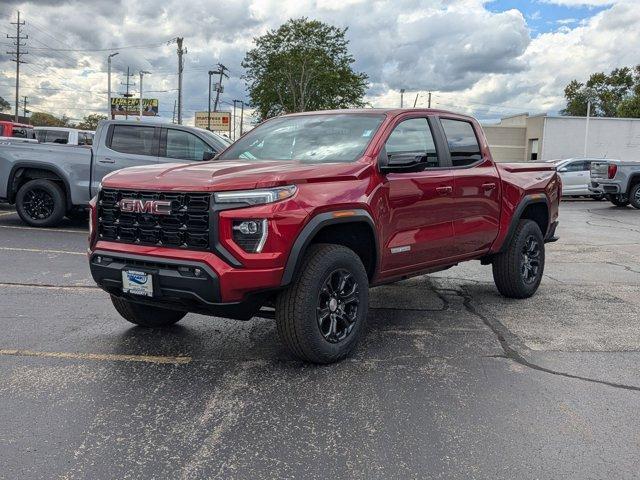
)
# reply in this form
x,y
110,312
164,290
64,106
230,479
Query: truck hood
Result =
x,y
219,175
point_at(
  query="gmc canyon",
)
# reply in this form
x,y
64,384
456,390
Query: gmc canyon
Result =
x,y
300,216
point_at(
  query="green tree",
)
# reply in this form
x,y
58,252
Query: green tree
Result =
x,y
303,65
90,122
610,94
41,119
4,105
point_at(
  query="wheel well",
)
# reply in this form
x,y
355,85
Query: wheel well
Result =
x,y
357,236
24,174
539,213
635,179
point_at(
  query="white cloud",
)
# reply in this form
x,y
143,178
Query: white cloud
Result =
x,y
472,58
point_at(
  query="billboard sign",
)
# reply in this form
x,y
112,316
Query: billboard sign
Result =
x,y
220,121
131,106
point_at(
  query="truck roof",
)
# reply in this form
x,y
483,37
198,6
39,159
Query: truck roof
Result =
x,y
383,111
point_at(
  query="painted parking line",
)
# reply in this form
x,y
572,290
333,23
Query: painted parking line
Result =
x,y
38,250
15,227
31,286
99,357
3,214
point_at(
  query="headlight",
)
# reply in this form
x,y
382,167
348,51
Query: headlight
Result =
x,y
256,197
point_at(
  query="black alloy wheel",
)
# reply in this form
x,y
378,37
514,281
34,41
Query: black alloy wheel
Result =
x,y
530,260
337,309
38,204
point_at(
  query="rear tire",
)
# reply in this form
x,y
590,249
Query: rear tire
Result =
x,y
598,197
619,200
517,272
146,315
322,314
634,196
41,203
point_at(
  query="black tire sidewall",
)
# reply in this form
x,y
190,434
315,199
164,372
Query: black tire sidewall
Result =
x,y
56,194
634,200
530,228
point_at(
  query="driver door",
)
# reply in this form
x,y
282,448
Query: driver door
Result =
x,y
418,232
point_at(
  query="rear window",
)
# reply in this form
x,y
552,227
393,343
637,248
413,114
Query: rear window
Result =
x,y
52,136
462,141
133,139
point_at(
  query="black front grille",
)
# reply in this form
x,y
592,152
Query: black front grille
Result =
x,y
187,226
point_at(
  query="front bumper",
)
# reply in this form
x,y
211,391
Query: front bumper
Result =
x,y
179,284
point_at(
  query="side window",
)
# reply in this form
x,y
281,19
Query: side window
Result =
x,y
462,141
574,166
133,139
41,135
413,137
186,146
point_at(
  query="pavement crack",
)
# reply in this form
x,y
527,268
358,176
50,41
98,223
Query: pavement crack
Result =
x,y
511,353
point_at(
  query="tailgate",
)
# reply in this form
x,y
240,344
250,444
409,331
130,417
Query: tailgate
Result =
x,y
599,170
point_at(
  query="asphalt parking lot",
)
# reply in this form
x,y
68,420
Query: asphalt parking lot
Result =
x,y
452,380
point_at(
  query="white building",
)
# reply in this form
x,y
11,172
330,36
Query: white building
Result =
x,y
522,138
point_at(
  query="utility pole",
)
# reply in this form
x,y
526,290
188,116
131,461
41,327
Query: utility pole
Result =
x,y
241,115
24,107
211,72
219,89
429,102
127,94
234,119
17,39
142,74
586,130
181,51
415,102
402,97
109,84
173,119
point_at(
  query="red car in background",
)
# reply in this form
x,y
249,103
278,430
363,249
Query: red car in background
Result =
x,y
17,130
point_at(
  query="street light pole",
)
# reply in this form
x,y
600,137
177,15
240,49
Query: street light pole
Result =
x,y
402,97
109,82
586,130
142,73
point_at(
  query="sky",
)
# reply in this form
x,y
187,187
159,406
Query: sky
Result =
x,y
486,58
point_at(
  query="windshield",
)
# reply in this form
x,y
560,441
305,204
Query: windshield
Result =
x,y
309,138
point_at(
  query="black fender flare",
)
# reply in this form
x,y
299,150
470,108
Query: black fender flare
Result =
x,y
527,200
314,225
11,194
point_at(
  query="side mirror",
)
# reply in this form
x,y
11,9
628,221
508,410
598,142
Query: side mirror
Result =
x,y
208,155
402,162
563,169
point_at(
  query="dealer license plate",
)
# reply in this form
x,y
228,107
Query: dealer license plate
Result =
x,y
137,283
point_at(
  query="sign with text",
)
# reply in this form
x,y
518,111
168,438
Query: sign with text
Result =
x,y
131,106
220,121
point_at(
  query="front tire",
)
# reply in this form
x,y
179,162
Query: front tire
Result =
x,y
41,203
634,196
322,314
146,315
517,272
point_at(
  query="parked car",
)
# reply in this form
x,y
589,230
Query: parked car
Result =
x,y
618,180
49,181
575,175
64,135
306,211
16,130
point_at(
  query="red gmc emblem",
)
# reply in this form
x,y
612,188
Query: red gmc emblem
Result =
x,y
156,207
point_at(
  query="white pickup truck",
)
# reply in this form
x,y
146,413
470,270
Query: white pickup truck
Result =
x,y
64,135
617,180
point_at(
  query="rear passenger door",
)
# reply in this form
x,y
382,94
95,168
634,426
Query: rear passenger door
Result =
x,y
181,146
125,146
476,187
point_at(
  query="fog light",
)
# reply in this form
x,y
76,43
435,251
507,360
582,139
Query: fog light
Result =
x,y
250,235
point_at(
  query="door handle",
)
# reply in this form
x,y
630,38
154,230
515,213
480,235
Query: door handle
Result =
x,y
106,160
488,186
446,190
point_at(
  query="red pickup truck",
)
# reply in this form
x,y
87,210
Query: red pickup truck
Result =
x,y
300,216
